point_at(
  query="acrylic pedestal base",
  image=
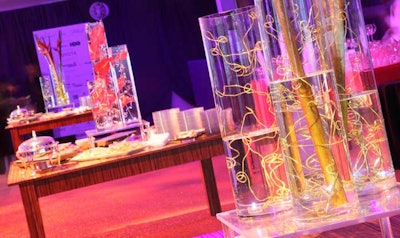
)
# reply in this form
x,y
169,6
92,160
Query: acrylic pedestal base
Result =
x,y
382,207
60,108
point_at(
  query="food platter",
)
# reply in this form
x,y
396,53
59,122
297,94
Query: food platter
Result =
x,y
25,119
190,134
64,150
114,150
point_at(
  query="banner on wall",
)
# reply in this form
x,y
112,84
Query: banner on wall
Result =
x,y
72,55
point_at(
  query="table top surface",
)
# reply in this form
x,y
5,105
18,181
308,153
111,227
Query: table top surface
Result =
x,y
385,204
48,117
169,151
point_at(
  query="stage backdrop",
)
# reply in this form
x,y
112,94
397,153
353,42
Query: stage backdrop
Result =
x,y
77,68
162,37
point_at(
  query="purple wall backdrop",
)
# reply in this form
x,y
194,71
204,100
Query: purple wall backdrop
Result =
x,y
162,37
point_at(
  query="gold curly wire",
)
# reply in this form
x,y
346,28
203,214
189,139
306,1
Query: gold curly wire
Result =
x,y
272,178
304,26
239,69
269,24
367,142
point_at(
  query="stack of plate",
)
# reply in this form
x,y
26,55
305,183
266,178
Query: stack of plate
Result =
x,y
191,119
168,121
210,121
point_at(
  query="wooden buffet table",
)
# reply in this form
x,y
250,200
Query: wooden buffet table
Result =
x,y
18,131
74,175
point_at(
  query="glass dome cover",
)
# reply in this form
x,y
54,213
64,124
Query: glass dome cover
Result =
x,y
37,147
19,113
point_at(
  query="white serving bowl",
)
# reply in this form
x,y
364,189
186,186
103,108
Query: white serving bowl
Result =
x,y
157,140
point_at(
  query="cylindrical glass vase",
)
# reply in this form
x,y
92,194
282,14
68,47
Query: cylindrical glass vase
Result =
x,y
122,73
306,103
62,97
369,149
237,68
46,86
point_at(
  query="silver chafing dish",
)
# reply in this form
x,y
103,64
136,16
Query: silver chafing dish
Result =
x,y
38,151
22,115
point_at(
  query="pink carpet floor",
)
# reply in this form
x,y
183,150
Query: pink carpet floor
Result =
x,y
166,203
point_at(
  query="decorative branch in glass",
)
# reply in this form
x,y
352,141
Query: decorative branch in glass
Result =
x,y
238,74
103,90
305,96
55,67
369,149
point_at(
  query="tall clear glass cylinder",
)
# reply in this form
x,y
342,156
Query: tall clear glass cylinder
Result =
x,y
122,73
237,68
47,89
57,76
369,149
300,41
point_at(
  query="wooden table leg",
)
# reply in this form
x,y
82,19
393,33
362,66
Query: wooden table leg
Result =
x,y
16,138
32,210
211,186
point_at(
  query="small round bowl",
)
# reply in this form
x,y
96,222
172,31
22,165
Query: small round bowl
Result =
x,y
157,140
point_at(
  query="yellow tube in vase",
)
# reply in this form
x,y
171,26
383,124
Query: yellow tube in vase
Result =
x,y
310,110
